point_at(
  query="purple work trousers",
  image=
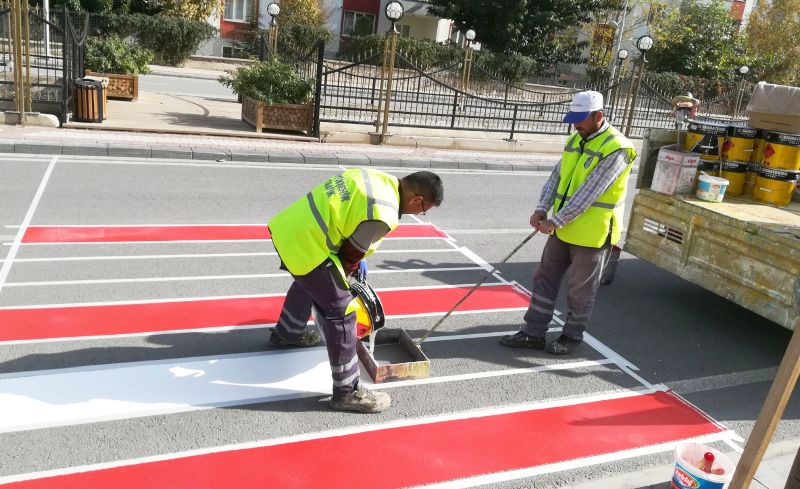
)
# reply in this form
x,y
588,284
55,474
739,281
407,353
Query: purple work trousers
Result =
x,y
324,290
585,266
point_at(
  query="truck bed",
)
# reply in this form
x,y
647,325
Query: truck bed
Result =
x,y
746,252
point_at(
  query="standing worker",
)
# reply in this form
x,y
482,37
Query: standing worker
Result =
x,y
322,239
587,194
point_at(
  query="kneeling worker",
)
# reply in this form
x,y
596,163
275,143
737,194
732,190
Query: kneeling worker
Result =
x,y
322,239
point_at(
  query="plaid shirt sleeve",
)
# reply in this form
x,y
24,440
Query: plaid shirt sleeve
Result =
x,y
548,195
599,180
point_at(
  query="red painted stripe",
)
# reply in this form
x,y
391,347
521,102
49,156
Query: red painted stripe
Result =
x,y
77,321
419,454
112,234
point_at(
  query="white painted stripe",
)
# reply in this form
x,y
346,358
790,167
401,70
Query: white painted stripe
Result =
x,y
375,271
734,445
83,243
167,225
122,391
491,231
12,253
202,255
723,381
463,415
245,296
573,464
487,375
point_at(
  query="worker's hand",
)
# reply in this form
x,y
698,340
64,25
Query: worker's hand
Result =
x,y
361,272
537,218
547,227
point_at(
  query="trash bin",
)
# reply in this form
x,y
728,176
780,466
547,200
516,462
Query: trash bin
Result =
x,y
89,101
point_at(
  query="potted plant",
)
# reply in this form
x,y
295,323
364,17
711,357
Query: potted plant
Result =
x,y
273,96
119,61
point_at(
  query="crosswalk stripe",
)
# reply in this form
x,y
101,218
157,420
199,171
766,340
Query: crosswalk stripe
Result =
x,y
26,324
132,234
422,452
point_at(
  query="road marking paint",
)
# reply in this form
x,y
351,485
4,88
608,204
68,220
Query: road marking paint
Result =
x,y
203,255
29,324
491,231
723,381
12,253
522,439
184,233
190,278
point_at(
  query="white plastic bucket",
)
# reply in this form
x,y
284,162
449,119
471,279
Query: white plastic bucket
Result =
x,y
688,475
711,189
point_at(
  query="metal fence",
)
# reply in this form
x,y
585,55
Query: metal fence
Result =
x,y
352,92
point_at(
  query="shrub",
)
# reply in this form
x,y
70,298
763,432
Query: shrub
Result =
x,y
272,82
172,39
113,55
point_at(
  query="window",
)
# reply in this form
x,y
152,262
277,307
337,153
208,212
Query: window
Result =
x,y
232,52
405,30
238,10
358,24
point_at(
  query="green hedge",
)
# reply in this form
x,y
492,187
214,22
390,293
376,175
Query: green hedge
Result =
x,y
272,82
427,54
172,39
113,55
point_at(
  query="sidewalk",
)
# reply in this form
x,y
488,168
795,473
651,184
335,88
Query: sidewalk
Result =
x,y
86,142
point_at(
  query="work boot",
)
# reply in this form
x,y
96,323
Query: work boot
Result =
x,y
521,339
309,337
362,400
563,345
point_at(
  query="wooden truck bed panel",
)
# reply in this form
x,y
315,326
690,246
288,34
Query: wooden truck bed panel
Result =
x,y
745,252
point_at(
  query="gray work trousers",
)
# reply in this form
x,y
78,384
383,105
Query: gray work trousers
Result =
x,y
585,266
324,289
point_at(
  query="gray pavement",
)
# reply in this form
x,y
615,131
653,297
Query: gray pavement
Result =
x,y
715,354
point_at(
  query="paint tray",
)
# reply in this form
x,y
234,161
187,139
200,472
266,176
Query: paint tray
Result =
x,y
396,357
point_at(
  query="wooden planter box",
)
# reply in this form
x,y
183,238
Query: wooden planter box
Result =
x,y
285,117
120,86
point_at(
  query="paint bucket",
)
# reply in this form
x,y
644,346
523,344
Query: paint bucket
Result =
x,y
758,148
750,179
705,138
711,189
688,475
774,186
782,150
738,145
707,167
736,173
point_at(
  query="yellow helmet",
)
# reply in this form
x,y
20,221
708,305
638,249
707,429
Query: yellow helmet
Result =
x,y
368,308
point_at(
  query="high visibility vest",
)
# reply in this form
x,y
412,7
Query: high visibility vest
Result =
x,y
313,228
604,216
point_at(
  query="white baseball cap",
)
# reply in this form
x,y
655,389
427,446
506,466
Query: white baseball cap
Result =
x,y
583,104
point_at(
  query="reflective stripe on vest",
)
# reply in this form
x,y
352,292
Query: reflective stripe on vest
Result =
x,y
313,228
604,216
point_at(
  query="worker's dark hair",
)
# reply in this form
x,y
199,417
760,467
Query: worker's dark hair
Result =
x,y
427,184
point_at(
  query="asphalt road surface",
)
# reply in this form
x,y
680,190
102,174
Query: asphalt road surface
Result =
x,y
135,303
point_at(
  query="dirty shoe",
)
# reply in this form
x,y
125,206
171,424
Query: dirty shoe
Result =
x,y
564,345
362,400
521,339
309,337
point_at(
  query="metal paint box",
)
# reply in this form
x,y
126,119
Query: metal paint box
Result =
x,y
406,359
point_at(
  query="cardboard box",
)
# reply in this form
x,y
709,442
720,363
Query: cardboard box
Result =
x,y
775,108
675,171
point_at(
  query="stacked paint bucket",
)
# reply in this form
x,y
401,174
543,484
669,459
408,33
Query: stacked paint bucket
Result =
x,y
764,164
780,168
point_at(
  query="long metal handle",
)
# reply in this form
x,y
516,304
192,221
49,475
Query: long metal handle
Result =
x,y
475,287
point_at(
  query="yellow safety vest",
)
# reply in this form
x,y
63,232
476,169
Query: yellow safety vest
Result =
x,y
592,227
313,228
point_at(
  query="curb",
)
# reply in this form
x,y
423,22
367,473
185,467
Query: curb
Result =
x,y
33,147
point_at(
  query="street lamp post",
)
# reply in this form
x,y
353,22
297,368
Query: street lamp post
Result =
x,y
394,12
470,36
643,44
742,71
620,32
274,10
622,55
